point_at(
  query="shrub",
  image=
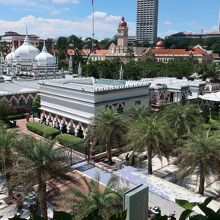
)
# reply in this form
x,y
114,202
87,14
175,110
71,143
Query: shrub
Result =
x,y
73,142
16,117
42,130
68,140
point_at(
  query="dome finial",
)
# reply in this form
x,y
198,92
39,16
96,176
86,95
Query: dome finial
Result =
x,y
26,39
44,49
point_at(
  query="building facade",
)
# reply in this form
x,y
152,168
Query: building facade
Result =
x,y
161,54
164,90
147,20
121,50
74,103
13,38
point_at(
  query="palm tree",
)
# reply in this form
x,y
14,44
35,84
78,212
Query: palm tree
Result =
x,y
201,153
149,133
7,140
181,118
108,129
106,200
38,162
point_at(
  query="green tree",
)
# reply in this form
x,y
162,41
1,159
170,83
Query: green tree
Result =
x,y
105,43
149,133
3,109
108,129
38,162
106,200
182,119
7,142
36,105
201,153
130,53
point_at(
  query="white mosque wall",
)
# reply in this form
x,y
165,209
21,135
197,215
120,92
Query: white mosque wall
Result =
x,y
83,106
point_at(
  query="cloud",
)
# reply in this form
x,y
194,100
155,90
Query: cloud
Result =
x,y
99,15
55,27
167,22
66,1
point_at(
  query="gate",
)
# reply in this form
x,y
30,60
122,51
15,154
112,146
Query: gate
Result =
x,y
70,156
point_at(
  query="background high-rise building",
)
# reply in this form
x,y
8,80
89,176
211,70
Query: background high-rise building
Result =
x,y
147,20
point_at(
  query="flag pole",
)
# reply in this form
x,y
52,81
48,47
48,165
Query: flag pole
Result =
x,y
93,23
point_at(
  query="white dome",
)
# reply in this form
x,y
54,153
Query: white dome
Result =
x,y
45,58
11,56
26,51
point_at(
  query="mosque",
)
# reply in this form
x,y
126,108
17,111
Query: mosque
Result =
x,y
28,61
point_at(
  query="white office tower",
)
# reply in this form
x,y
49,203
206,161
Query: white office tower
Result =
x,y
147,21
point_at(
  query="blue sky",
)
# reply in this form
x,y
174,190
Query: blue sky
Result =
x,y
52,18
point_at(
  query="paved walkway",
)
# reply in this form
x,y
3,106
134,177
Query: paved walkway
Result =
x,y
21,124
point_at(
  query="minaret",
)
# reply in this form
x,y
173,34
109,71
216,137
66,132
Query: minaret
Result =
x,y
79,70
121,73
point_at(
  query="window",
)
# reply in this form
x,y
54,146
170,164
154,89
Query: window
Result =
x,y
120,109
138,102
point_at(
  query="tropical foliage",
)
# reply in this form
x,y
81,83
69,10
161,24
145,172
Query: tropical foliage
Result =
x,y
108,129
200,155
104,199
38,163
7,140
149,133
182,119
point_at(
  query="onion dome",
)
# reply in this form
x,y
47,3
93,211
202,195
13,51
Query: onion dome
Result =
x,y
122,23
26,51
11,56
45,58
160,44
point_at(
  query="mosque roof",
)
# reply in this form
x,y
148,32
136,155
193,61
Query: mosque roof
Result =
x,y
27,50
45,58
18,87
91,84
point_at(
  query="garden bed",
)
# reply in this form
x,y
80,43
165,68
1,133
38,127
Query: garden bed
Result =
x,y
42,130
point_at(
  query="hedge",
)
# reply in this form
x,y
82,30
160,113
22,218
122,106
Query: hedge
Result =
x,y
68,140
16,117
73,142
42,130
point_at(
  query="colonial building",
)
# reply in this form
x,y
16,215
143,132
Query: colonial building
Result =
x,y
118,51
165,55
74,103
13,38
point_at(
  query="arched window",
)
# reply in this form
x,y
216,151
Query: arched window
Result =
x,y
13,101
120,109
22,101
30,101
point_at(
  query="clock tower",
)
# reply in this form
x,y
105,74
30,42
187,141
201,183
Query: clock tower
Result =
x,y
122,35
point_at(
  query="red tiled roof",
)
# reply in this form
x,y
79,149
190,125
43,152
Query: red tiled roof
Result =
x,y
194,51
